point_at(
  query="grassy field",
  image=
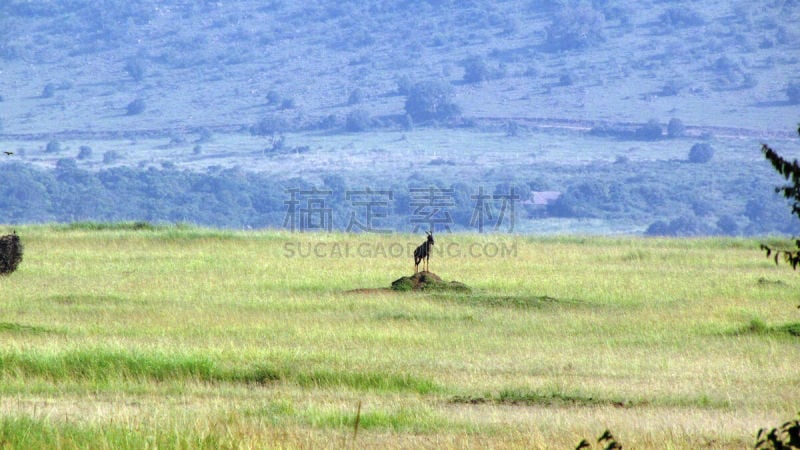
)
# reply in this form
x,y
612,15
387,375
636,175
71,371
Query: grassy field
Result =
x,y
177,337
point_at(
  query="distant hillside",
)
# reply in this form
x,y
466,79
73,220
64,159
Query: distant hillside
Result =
x,y
80,64
215,112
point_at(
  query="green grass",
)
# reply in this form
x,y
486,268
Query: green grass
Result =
x,y
26,432
177,337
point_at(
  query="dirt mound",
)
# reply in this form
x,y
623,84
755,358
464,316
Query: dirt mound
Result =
x,y
10,253
427,281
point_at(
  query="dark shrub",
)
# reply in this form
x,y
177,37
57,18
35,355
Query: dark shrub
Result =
x,y
135,107
701,153
11,251
358,120
431,101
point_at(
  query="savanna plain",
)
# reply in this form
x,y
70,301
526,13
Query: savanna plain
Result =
x,y
115,336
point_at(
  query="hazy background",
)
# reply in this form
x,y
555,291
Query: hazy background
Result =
x,y
603,116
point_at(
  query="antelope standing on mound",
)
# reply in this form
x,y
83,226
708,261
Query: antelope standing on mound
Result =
x,y
423,252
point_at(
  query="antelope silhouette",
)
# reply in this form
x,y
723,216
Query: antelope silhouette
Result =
x,y
423,252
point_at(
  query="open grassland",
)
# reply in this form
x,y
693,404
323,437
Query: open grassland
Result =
x,y
175,337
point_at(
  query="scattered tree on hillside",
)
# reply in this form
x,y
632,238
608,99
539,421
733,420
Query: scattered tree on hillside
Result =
x,y
676,128
575,28
84,152
136,69
358,120
111,157
356,97
651,131
53,147
680,17
135,107
476,70
269,125
701,153
791,172
49,90
431,101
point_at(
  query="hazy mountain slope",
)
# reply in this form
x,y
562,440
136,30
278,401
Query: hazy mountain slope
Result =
x,y
214,63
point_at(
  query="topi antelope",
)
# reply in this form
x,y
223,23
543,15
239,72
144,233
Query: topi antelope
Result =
x,y
423,252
